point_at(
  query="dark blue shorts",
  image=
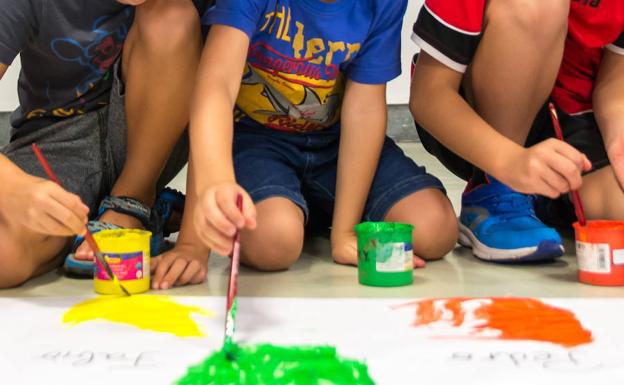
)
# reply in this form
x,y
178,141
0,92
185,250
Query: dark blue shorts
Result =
x,y
302,168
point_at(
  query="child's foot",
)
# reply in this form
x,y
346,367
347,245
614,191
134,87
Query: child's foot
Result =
x,y
84,252
500,225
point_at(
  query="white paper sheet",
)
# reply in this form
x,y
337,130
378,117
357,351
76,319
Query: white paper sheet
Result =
x,y
36,348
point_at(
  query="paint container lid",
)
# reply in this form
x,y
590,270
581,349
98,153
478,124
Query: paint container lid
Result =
x,y
600,252
385,254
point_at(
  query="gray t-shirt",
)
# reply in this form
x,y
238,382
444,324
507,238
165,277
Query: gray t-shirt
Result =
x,y
67,49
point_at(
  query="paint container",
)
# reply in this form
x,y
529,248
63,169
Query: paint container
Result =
x,y
128,254
600,252
385,254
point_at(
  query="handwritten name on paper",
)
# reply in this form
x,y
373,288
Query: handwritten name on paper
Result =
x,y
110,360
549,360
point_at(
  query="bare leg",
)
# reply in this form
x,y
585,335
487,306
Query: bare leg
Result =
x,y
516,64
25,254
277,242
434,221
160,60
602,196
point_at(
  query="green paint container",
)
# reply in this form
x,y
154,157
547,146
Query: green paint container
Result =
x,y
385,254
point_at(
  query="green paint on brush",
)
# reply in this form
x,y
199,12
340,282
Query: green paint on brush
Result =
x,y
275,365
228,344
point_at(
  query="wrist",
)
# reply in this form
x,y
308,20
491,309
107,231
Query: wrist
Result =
x,y
506,161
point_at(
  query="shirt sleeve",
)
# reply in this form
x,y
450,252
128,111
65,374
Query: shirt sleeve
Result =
x,y
618,45
240,14
450,30
379,59
18,23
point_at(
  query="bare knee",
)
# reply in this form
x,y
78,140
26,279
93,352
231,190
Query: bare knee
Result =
x,y
277,253
545,20
277,242
167,24
440,237
602,195
13,271
434,220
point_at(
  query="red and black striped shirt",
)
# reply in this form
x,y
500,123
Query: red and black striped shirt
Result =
x,y
450,31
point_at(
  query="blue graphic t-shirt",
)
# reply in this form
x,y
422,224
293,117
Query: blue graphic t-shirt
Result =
x,y
302,51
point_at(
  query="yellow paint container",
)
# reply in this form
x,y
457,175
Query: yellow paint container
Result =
x,y
128,254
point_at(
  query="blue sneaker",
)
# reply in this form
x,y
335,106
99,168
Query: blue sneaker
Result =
x,y
500,225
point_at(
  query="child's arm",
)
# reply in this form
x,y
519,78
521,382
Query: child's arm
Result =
x,y
608,100
216,216
549,168
210,215
187,262
362,134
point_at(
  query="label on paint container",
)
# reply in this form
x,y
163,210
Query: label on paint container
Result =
x,y
394,257
618,257
126,267
594,257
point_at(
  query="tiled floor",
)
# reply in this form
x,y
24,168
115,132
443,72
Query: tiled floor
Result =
x,y
459,274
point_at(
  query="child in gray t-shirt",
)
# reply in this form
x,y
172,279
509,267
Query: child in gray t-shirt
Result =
x,y
108,123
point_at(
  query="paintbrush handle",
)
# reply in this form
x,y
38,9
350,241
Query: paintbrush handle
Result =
x,y
232,289
87,236
576,198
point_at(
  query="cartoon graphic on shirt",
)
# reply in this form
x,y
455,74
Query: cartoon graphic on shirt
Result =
x,y
298,92
284,113
98,55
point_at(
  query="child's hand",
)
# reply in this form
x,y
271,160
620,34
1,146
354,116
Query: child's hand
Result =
x,y
344,248
185,264
45,207
549,168
217,217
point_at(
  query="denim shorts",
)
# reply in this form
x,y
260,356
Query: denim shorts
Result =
x,y
303,167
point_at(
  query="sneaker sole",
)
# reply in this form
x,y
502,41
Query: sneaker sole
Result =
x,y
544,251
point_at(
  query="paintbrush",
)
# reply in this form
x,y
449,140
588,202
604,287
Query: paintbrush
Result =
x,y
576,198
88,236
232,302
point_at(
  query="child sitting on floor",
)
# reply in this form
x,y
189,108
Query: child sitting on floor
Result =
x,y
305,128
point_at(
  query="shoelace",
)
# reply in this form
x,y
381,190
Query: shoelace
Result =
x,y
513,205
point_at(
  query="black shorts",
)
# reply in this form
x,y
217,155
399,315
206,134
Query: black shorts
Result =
x,y
581,131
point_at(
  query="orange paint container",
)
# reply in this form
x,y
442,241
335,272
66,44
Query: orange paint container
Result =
x,y
600,252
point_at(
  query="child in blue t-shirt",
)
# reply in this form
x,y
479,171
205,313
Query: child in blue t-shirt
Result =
x,y
306,128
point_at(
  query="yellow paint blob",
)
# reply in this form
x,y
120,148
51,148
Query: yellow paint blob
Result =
x,y
159,314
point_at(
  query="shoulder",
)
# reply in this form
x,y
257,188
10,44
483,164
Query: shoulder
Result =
x,y
383,8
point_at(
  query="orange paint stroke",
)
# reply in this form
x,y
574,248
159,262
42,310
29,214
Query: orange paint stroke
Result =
x,y
503,318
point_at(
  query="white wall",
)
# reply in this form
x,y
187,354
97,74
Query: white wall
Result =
x,y
398,90
8,88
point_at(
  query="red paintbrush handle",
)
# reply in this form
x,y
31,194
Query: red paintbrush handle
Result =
x,y
91,241
48,170
232,289
45,164
578,208
576,198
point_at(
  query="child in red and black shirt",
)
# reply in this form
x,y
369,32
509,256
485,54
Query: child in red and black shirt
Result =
x,y
481,84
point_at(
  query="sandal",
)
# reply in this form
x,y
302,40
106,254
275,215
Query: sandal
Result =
x,y
155,220
122,205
